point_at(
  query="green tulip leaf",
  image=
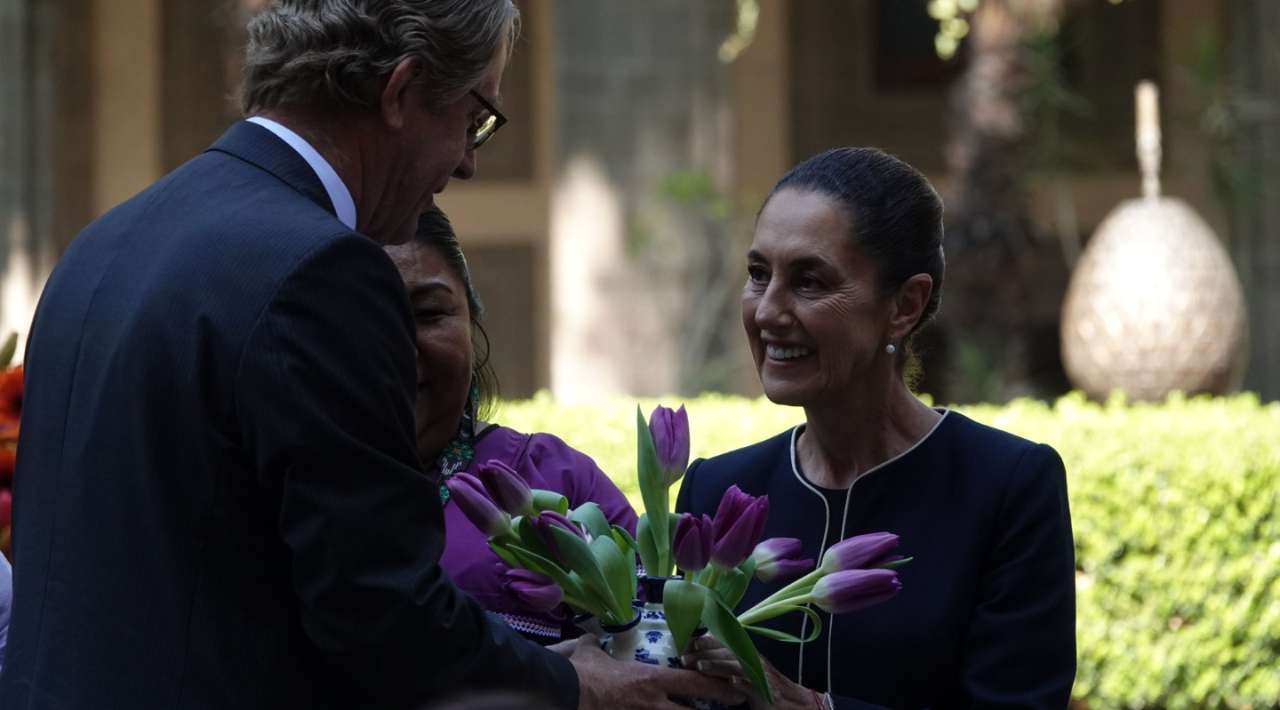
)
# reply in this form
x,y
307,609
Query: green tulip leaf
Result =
x,y
529,538
653,492
732,585
623,538
578,557
783,636
683,601
517,556
725,627
646,547
591,518
618,573
816,623
504,554
550,500
587,603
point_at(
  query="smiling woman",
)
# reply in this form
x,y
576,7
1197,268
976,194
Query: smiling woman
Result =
x,y
454,387
845,268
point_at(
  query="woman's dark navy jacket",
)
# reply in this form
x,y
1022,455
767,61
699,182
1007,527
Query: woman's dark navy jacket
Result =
x,y
986,615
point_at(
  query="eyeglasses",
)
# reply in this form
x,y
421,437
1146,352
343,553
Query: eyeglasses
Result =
x,y
487,123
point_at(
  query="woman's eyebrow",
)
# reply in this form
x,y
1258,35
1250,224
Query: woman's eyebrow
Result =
x,y
428,287
809,262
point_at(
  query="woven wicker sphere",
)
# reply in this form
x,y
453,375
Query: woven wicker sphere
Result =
x,y
1154,306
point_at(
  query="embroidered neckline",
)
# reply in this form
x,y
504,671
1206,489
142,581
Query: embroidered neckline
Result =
x,y
461,450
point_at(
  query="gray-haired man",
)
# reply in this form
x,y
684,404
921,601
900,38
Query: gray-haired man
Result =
x,y
219,502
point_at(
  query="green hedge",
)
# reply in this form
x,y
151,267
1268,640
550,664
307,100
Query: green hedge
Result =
x,y
1176,509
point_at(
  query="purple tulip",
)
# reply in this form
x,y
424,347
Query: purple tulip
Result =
x,y
467,491
692,543
860,552
777,560
850,590
670,430
547,519
737,527
534,590
507,488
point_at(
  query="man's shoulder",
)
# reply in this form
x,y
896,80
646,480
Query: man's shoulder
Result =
x,y
214,214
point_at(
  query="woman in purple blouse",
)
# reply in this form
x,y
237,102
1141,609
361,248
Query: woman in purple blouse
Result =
x,y
455,391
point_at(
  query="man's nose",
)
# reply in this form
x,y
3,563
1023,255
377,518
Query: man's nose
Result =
x,y
467,168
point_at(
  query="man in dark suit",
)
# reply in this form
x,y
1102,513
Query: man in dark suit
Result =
x,y
219,503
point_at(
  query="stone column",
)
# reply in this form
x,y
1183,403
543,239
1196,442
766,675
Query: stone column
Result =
x,y
1255,238
641,94
45,139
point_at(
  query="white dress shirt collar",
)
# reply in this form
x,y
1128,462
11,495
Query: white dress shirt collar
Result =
x,y
339,195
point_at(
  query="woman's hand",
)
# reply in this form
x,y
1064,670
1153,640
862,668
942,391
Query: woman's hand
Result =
x,y
609,684
710,657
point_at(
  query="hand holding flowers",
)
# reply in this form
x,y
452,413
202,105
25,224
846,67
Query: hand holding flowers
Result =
x,y
576,557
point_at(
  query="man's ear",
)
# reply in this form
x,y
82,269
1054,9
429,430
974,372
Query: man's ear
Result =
x,y
908,305
396,94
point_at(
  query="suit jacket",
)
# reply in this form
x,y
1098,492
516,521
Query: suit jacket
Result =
x,y
986,615
6,601
218,499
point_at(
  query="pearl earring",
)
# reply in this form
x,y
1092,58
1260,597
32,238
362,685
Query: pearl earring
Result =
x,y
891,348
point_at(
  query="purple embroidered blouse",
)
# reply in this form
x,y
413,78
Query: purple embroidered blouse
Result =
x,y
546,462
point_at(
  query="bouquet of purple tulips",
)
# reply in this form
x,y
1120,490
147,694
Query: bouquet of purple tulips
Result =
x,y
576,557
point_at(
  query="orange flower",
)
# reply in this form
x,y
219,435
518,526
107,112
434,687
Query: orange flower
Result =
x,y
11,394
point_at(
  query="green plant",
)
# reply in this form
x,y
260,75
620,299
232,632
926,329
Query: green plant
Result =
x,y
1176,511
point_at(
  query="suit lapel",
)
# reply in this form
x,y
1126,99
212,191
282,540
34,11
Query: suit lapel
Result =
x,y
258,146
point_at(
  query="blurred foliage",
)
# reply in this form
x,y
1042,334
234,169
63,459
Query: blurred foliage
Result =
x,y
953,24
1176,509
953,17
714,228
744,34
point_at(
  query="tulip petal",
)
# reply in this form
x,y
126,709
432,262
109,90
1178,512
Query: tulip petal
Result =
x,y
506,487
850,590
692,542
859,552
537,591
782,571
740,536
670,432
474,502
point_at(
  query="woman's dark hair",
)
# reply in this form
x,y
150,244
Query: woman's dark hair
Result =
x,y
436,232
896,220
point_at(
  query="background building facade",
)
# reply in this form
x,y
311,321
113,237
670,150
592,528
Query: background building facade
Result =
x,y
607,225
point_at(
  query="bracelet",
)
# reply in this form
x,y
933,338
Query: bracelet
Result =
x,y
822,701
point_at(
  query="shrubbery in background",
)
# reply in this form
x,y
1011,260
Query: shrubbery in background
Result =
x,y
1176,510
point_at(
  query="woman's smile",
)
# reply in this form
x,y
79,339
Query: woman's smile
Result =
x,y
785,354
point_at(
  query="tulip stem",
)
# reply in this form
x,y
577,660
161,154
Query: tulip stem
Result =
x,y
798,587
760,613
712,576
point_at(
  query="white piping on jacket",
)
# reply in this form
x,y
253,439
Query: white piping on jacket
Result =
x,y
826,526
844,525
